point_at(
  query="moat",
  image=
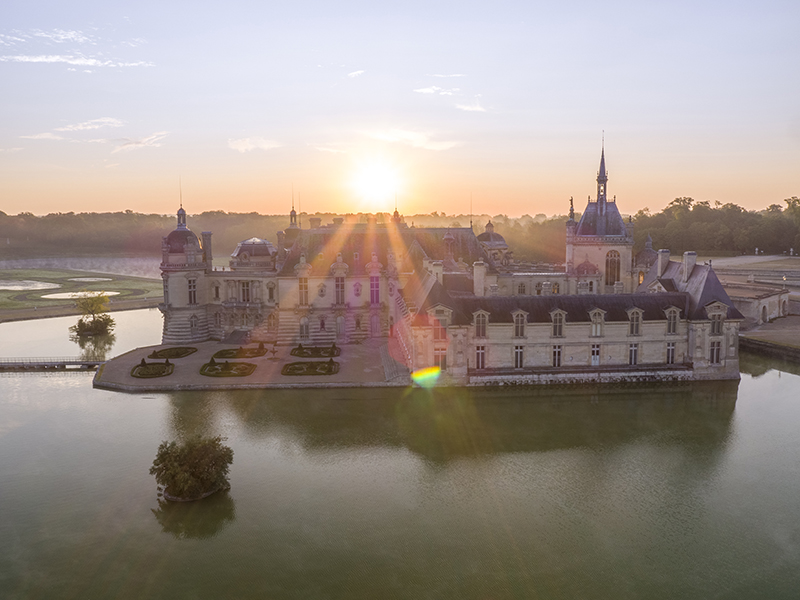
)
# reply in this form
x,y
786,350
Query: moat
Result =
x,y
689,491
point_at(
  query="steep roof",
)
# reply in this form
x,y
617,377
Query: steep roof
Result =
x,y
608,223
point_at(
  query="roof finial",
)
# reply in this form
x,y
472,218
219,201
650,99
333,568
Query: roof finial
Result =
x,y
292,195
180,189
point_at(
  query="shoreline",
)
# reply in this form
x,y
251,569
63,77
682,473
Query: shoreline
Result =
x,y
30,314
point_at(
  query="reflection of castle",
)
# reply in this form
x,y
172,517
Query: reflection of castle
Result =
x,y
459,301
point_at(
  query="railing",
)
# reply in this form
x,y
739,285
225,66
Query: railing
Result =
x,y
48,362
493,371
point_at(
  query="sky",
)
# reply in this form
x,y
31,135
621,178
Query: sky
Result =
x,y
349,106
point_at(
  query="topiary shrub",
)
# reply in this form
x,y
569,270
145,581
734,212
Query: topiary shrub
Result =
x,y
192,470
173,353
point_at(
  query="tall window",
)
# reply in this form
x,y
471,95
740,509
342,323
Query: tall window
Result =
x,y
716,324
521,289
714,352
480,325
340,327
216,292
304,328
358,323
480,357
193,291
591,287
245,291
672,322
612,267
671,353
217,319
555,289
641,277
556,356
539,289
272,323
339,289
271,293
375,326
303,291
374,289
635,323
558,325
194,322
595,355
633,354
519,325
439,330
597,325
440,359
519,358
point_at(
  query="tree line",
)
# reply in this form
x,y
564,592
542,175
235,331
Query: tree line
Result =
x,y
684,224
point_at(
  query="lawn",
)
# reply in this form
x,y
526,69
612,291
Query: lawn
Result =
x,y
129,288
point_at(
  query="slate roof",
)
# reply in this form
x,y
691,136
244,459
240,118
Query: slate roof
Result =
x,y
703,287
501,309
610,223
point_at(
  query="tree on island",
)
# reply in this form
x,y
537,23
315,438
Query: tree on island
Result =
x,y
192,470
95,319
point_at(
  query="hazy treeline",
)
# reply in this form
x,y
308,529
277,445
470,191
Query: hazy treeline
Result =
x,y
685,224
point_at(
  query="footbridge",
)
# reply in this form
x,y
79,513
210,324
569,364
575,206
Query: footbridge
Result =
x,y
49,363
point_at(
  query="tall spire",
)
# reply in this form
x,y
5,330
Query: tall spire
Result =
x,y
602,179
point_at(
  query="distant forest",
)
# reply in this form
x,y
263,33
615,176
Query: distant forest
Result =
x,y
685,224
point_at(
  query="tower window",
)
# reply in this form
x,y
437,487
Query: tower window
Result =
x,y
193,291
245,291
303,291
612,267
480,357
519,357
556,356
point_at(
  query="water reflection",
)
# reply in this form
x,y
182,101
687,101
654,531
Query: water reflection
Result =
x,y
199,520
756,365
94,347
444,425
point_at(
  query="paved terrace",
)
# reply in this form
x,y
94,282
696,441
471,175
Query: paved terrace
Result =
x,y
368,364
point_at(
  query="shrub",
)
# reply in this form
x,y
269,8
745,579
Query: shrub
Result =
x,y
194,469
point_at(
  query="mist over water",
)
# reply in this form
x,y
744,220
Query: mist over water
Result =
x,y
137,267
641,492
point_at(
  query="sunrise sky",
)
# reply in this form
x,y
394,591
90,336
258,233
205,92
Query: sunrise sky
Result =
x,y
107,106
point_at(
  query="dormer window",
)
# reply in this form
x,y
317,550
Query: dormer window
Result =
x,y
558,324
597,323
635,322
672,322
716,324
480,325
519,325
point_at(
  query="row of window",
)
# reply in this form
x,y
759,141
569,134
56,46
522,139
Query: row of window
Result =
x,y
715,352
339,295
634,324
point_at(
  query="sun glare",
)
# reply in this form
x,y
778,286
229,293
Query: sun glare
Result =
x,y
375,184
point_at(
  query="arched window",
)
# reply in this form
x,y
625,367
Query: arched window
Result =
x,y
555,288
521,289
193,322
322,324
304,328
672,322
635,323
519,325
612,267
480,325
763,314
597,324
217,319
641,277
272,323
539,289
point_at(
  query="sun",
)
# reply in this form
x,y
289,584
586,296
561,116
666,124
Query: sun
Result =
x,y
376,182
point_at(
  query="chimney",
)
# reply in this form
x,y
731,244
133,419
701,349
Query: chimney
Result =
x,y
437,269
663,261
478,277
337,221
315,222
689,261
207,250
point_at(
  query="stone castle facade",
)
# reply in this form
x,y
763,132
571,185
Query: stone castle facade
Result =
x,y
448,298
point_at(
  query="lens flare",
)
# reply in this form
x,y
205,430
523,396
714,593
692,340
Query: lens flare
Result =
x,y
426,377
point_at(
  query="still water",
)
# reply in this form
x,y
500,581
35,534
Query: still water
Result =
x,y
644,493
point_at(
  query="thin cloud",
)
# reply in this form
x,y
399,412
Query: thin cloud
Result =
x,y
60,36
69,59
252,143
332,148
474,107
414,139
42,136
93,124
355,73
451,75
435,89
151,141
10,150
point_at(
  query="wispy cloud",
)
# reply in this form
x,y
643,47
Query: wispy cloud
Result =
x,y
93,124
435,89
474,107
60,36
151,141
355,73
415,139
69,59
42,136
332,148
10,150
253,143
451,75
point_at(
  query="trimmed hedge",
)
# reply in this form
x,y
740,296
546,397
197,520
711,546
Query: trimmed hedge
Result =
x,y
177,352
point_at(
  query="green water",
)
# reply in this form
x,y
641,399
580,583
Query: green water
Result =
x,y
645,493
